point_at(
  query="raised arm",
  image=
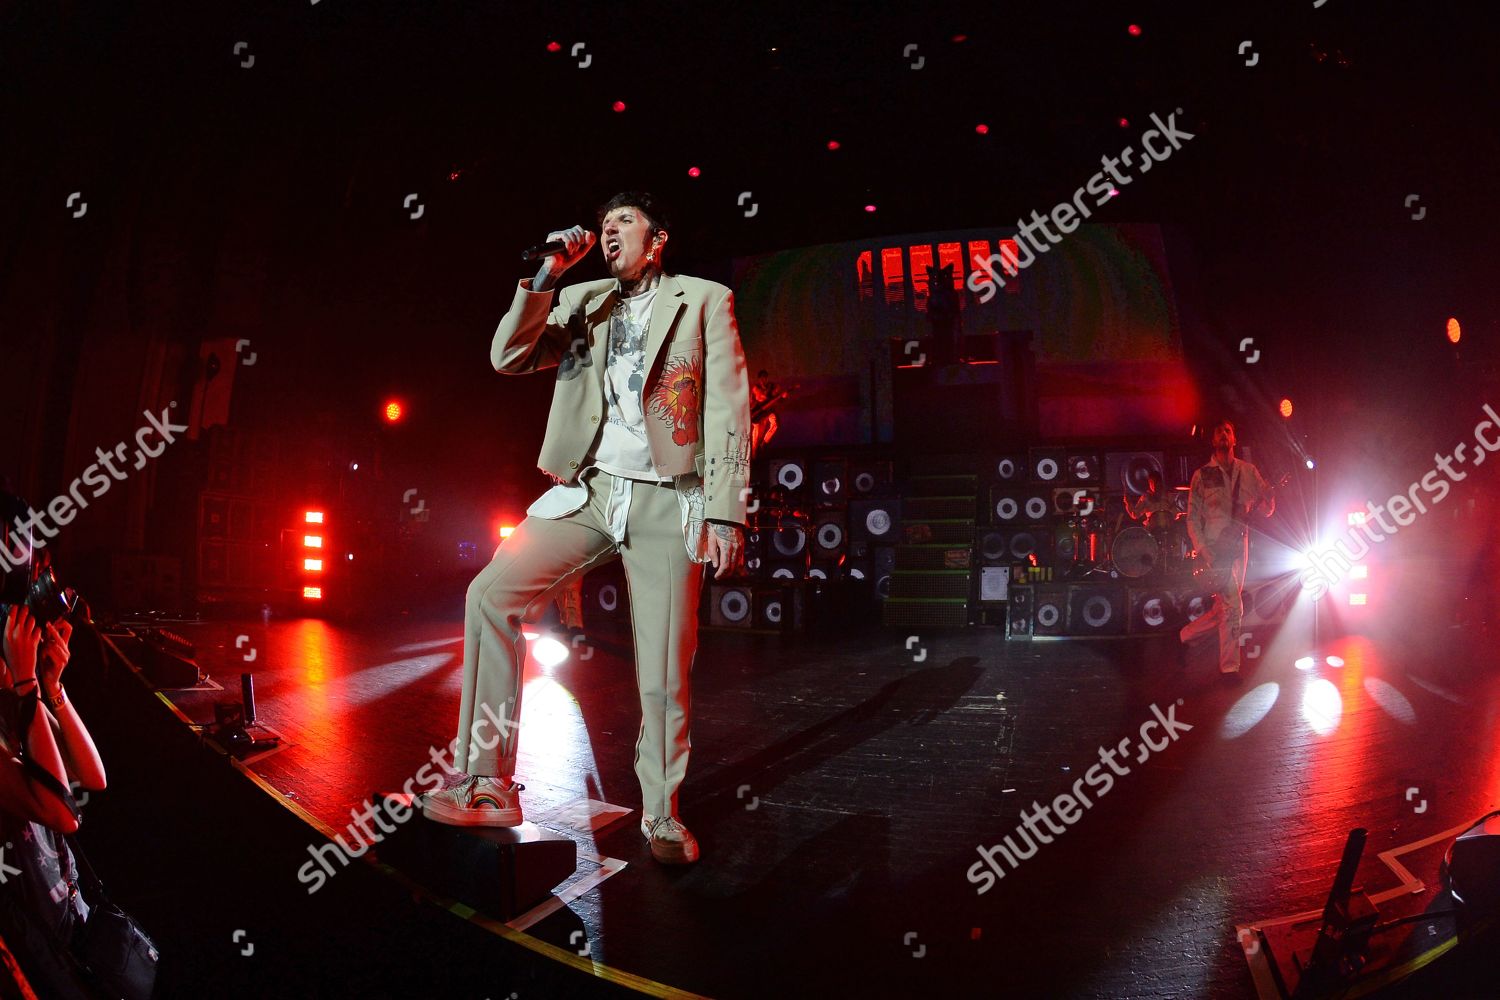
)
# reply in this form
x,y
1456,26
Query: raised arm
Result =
x,y
35,789
533,335
73,739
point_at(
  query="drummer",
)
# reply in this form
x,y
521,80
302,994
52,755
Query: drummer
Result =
x,y
1155,509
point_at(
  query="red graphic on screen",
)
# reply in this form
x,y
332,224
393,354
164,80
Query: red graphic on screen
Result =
x,y
677,398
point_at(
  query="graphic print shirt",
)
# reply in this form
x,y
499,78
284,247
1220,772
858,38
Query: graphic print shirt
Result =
x,y
622,449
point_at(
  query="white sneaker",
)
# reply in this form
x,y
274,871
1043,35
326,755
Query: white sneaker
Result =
x,y
475,801
671,842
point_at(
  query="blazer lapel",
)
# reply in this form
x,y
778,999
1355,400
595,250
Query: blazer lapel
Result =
x,y
664,310
598,323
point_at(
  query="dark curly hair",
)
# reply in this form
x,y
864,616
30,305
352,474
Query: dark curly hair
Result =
x,y
643,200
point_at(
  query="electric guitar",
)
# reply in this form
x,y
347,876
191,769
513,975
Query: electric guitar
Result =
x,y
1231,541
762,408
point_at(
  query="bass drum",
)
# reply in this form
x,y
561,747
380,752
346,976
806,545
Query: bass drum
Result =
x,y
1134,552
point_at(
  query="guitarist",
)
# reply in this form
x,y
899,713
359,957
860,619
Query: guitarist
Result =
x,y
764,395
1222,495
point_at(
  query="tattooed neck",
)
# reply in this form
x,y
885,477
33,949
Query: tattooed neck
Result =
x,y
649,279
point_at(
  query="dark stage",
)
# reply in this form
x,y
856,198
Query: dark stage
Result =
x,y
841,785
962,348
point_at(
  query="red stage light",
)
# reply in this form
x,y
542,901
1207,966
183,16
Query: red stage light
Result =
x,y
833,144
618,106
869,208
693,171
554,46
1135,30
312,541
313,593
312,565
1286,407
393,412
506,530
1124,122
982,129
1454,331
313,517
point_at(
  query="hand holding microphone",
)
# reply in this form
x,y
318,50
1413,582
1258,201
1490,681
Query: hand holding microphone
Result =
x,y
563,249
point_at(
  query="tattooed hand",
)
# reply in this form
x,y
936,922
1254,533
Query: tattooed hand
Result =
x,y
726,548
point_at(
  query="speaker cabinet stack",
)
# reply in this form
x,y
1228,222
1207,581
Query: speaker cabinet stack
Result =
x,y
830,481
788,475
1051,615
1020,611
1130,471
606,598
1082,469
1096,609
869,477
1153,611
1048,465
756,607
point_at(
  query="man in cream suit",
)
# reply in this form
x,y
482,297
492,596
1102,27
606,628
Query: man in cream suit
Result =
x,y
648,443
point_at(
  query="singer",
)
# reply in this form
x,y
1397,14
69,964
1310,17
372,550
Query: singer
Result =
x,y
648,443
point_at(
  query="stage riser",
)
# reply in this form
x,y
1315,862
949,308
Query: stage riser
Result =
x,y
501,872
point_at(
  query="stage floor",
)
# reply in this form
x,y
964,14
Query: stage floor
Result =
x,y
842,783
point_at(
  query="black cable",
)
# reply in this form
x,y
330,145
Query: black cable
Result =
x,y
1379,928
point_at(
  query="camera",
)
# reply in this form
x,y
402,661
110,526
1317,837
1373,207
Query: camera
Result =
x,y
46,599
31,582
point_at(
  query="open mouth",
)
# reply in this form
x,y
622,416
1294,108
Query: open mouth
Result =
x,y
612,249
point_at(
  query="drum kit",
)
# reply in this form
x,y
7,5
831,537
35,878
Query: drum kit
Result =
x,y
1106,541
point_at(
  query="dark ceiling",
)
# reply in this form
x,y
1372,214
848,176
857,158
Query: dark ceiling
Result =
x,y
299,130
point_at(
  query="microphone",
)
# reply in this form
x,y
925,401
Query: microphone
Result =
x,y
543,250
